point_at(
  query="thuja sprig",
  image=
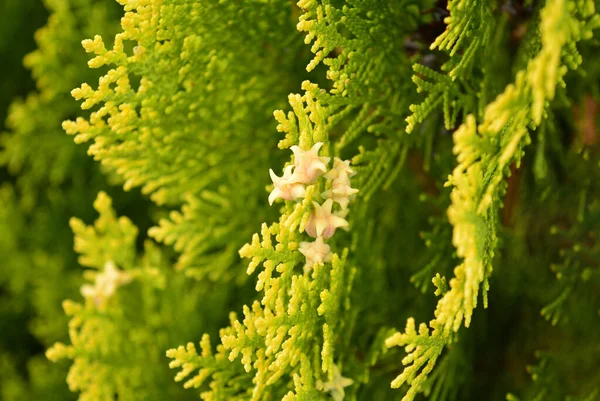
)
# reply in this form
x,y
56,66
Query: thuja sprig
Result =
x,y
467,37
290,335
370,89
182,113
484,153
113,333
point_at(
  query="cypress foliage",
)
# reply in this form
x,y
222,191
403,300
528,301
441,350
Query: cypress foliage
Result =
x,y
408,143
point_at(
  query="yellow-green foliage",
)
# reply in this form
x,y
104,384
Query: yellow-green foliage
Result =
x,y
485,153
384,184
181,89
53,180
293,330
132,306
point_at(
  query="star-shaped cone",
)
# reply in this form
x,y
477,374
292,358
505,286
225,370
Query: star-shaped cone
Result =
x,y
336,386
341,168
322,222
341,193
106,283
309,165
286,186
315,252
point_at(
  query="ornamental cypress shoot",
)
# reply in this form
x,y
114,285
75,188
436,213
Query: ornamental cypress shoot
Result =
x,y
323,200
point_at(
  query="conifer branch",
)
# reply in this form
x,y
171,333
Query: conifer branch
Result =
x,y
193,137
177,101
484,153
301,314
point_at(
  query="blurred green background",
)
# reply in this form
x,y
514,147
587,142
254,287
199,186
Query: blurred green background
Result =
x,y
45,180
19,19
